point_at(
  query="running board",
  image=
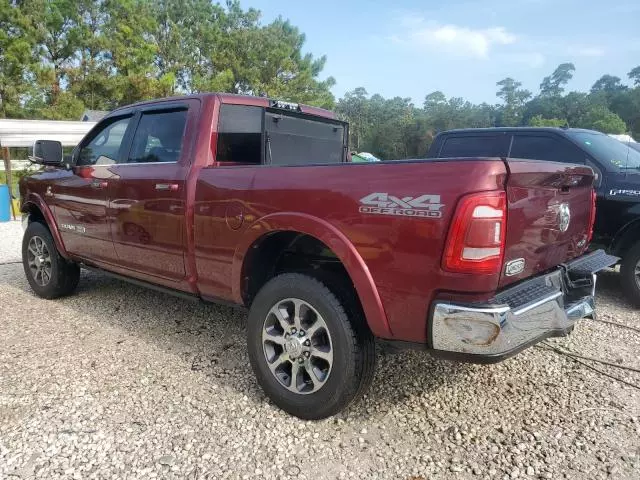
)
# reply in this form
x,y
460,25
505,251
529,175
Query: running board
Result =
x,y
159,288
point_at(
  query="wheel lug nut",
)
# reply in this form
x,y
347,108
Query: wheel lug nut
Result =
x,y
293,330
301,333
307,354
307,343
301,360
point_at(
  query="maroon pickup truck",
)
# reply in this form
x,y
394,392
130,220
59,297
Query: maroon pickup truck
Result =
x,y
255,202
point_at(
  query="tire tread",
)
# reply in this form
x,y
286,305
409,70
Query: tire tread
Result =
x,y
360,342
67,274
627,273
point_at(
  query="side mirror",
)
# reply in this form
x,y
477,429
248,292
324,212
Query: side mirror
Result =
x,y
46,152
596,173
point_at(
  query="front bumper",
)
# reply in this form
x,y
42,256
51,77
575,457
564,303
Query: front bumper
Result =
x,y
545,306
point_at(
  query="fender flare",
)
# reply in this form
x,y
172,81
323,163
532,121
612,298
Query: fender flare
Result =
x,y
332,238
35,200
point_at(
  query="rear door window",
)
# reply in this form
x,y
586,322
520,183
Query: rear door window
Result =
x,y
545,147
159,137
472,146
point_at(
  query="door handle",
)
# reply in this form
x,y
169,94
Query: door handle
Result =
x,y
99,184
167,187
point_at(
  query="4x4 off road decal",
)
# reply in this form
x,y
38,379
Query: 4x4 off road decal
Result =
x,y
384,204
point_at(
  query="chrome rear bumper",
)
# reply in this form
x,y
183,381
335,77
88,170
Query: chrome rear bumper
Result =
x,y
520,316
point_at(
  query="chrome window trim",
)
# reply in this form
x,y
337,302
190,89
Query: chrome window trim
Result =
x,y
125,164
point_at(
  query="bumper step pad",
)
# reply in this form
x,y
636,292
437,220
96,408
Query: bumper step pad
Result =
x,y
591,263
528,293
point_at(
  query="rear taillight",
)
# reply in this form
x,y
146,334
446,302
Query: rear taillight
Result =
x,y
477,234
592,217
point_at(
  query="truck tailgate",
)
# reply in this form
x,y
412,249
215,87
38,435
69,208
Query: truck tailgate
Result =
x,y
548,217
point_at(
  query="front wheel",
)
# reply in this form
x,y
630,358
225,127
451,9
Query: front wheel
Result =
x,y
308,355
630,272
48,273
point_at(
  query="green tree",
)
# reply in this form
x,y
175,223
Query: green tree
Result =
x,y
185,32
16,58
635,76
389,120
574,106
545,107
608,84
434,100
354,107
275,65
602,119
91,77
55,26
627,106
553,85
131,51
442,114
514,99
539,121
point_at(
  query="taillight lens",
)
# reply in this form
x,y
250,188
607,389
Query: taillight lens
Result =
x,y
592,218
477,234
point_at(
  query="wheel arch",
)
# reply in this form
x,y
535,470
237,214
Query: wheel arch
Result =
x,y
626,237
290,226
38,210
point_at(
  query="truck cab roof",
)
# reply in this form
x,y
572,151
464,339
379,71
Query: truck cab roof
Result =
x,y
560,130
565,145
236,99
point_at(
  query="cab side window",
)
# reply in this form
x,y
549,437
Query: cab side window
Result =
x,y
544,147
104,146
471,146
159,137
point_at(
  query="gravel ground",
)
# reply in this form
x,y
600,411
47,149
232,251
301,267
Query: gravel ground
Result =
x,y
121,382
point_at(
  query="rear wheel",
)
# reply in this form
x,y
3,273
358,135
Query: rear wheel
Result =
x,y
630,272
48,273
309,357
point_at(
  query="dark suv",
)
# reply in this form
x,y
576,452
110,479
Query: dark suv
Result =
x,y
617,168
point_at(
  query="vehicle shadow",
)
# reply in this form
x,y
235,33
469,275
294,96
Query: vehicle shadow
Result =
x,y
210,339
608,286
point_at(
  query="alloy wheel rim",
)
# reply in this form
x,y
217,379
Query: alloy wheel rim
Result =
x,y
297,346
39,261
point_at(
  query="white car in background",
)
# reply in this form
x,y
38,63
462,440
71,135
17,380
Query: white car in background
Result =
x,y
628,139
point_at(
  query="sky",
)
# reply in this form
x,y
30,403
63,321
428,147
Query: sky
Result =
x,y
409,48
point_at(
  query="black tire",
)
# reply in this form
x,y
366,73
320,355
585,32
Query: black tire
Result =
x,y
352,344
629,276
64,275
341,286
